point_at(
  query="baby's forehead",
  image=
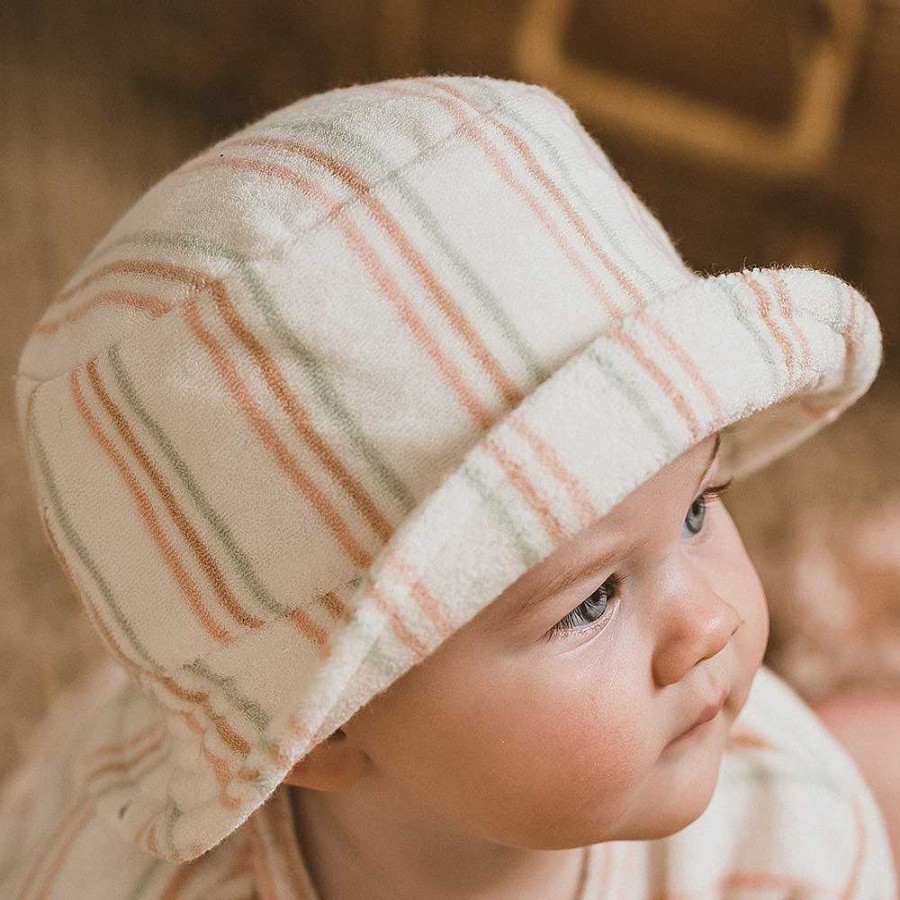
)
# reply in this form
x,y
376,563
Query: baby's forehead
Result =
x,y
628,525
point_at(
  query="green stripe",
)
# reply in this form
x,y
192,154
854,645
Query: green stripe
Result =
x,y
758,774
750,323
327,394
637,399
754,325
252,711
236,553
132,779
529,554
74,539
141,884
173,816
489,303
609,233
325,390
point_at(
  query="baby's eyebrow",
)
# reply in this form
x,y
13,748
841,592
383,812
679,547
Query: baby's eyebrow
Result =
x,y
573,575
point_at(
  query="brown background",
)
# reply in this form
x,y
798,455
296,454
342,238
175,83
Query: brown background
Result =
x,y
98,100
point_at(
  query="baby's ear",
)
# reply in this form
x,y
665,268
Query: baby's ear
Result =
x,y
331,765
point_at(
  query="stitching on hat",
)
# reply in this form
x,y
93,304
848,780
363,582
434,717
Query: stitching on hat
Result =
x,y
277,251
428,154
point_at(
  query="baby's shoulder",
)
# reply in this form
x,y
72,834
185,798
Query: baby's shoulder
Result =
x,y
790,808
778,729
55,840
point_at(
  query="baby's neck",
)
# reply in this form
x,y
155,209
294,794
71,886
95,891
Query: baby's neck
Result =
x,y
354,850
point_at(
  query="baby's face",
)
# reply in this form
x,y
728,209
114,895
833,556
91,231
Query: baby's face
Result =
x,y
550,720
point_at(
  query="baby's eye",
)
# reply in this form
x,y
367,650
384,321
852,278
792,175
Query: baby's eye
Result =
x,y
696,515
594,608
591,610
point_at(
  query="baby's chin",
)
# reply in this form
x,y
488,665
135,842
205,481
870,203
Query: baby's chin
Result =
x,y
681,794
670,821
666,819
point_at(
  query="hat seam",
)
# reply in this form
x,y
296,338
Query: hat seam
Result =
x,y
274,253
278,251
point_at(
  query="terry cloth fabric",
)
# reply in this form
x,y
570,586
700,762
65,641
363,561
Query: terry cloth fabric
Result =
x,y
328,389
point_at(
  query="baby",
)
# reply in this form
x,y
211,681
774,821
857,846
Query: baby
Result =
x,y
383,444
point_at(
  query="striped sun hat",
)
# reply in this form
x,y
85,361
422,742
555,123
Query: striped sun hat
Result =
x,y
330,387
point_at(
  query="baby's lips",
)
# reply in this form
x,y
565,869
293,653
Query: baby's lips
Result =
x,y
710,710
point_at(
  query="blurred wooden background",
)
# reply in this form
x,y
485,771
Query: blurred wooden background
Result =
x,y
100,99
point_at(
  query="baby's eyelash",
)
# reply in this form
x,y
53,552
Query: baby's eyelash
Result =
x,y
615,581
716,490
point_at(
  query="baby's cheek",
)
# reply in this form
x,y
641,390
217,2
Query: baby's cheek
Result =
x,y
554,775
753,635
741,584
590,750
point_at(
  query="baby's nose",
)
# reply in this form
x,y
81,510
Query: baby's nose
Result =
x,y
694,625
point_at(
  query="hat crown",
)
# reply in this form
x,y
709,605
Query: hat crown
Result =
x,y
445,144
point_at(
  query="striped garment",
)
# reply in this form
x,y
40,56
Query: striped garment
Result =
x,y
320,396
